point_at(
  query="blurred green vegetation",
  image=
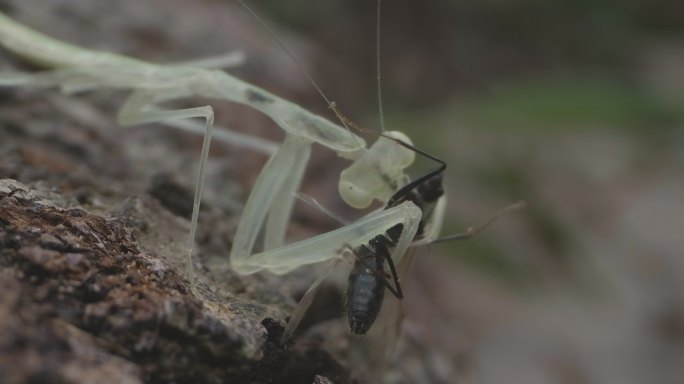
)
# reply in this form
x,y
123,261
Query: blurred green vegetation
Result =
x,y
562,103
580,101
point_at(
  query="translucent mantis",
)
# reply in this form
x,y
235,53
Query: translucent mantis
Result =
x,y
270,203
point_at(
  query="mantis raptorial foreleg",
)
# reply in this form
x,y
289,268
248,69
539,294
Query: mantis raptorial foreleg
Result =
x,y
273,194
281,208
326,246
306,300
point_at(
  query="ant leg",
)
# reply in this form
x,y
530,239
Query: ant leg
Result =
x,y
137,111
473,231
398,293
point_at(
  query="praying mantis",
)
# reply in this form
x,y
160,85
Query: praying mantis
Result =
x,y
377,171
272,198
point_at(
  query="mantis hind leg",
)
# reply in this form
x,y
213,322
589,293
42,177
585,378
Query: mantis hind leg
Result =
x,y
228,60
139,109
305,302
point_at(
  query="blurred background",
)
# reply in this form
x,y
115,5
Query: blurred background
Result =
x,y
576,107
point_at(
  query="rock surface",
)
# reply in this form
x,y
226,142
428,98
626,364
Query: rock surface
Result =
x,y
82,303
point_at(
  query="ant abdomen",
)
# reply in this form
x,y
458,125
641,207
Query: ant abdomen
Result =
x,y
366,290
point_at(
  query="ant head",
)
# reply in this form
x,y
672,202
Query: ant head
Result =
x,y
432,188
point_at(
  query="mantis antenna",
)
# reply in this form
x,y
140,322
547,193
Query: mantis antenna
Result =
x,y
331,104
381,111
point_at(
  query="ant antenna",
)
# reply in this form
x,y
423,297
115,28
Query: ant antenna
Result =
x,y
381,112
472,231
331,104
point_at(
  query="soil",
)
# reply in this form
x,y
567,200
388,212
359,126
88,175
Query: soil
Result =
x,y
83,303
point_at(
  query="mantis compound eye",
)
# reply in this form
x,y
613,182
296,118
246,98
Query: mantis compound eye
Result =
x,y
378,173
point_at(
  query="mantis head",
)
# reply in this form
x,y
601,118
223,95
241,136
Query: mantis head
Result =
x,y
378,172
